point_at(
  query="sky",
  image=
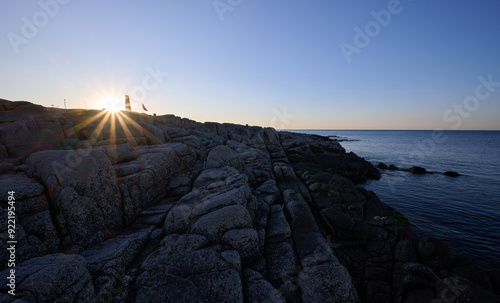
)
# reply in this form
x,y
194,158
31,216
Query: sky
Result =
x,y
288,64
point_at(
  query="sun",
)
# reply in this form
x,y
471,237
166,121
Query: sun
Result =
x,y
112,123
112,104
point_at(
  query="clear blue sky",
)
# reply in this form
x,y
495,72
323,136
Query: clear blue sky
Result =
x,y
271,63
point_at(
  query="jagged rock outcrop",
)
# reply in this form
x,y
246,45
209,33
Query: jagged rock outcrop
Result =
x,y
134,208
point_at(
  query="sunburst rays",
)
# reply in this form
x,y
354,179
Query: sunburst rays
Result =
x,y
113,125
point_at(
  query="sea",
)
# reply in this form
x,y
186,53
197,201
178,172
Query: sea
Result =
x,y
462,211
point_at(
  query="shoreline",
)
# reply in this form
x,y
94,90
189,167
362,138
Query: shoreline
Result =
x,y
476,179
269,215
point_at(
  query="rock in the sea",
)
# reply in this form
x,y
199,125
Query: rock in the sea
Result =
x,y
417,170
452,174
382,165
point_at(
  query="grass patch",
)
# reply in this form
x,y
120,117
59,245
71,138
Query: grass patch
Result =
x,y
401,219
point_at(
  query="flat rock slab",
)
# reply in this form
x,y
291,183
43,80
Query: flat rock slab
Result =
x,y
215,224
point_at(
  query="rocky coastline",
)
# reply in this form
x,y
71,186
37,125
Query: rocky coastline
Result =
x,y
130,207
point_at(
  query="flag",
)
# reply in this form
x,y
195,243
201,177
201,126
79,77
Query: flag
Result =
x,y
144,107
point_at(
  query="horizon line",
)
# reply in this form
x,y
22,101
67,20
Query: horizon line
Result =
x,y
391,129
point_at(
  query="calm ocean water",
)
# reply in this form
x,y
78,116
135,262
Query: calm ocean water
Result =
x,y
462,211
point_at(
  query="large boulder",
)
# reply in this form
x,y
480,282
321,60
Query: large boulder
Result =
x,y
214,189
83,187
145,181
153,134
417,170
222,156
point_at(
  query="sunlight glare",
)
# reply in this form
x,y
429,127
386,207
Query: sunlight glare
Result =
x,y
112,104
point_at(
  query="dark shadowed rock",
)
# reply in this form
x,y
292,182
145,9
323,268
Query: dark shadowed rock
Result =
x,y
222,156
34,133
245,241
109,260
183,269
327,282
417,170
120,153
406,251
435,254
215,224
494,276
458,289
300,216
257,289
216,204
84,190
358,169
322,277
281,262
382,166
466,268
452,174
52,278
21,107
278,228
153,134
